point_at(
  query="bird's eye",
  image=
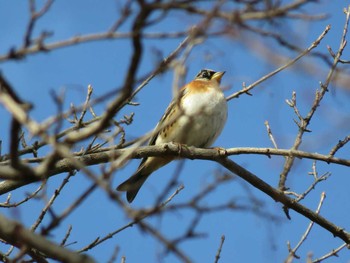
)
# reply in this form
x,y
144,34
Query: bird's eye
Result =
x,y
206,75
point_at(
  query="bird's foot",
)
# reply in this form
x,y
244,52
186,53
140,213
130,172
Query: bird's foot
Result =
x,y
221,151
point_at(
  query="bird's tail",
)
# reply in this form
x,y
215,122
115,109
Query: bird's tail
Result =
x,y
133,185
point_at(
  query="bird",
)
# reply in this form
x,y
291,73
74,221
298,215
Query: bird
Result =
x,y
195,117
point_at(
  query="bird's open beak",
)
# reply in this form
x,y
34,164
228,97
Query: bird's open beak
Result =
x,y
218,75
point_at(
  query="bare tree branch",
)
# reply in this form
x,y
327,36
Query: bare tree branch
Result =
x,y
18,236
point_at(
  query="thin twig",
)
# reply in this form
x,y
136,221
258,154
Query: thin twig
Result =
x,y
333,253
66,236
288,64
57,219
7,204
86,105
140,216
339,145
319,95
218,253
50,202
269,133
292,252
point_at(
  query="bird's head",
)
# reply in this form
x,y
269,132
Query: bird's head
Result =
x,y
208,74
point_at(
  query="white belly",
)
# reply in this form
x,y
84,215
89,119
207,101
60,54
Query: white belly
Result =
x,y
202,121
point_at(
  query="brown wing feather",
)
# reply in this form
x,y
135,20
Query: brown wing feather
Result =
x,y
167,115
134,183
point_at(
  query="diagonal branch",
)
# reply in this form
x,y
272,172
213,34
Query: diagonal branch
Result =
x,y
280,197
18,236
288,64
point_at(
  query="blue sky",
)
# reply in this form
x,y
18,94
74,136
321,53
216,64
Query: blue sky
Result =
x,y
103,64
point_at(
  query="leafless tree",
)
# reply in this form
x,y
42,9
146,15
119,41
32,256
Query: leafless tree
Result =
x,y
79,141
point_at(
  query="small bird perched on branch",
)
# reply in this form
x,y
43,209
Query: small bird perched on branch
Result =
x,y
195,117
